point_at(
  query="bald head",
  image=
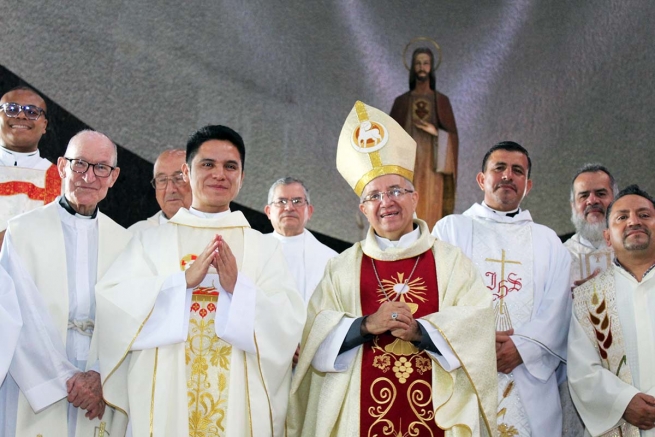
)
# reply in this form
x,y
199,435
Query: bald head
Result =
x,y
171,190
88,154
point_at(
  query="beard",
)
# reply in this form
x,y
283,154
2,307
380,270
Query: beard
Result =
x,y
637,246
590,231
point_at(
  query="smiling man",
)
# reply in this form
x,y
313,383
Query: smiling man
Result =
x,y
172,190
526,269
289,209
398,317
27,181
206,344
55,254
612,334
592,190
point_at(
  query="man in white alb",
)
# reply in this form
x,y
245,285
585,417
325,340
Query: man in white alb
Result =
x,y
55,255
612,336
289,209
171,189
27,181
526,269
205,346
10,322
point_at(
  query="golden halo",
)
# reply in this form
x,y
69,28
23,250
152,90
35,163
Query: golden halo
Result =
x,y
422,38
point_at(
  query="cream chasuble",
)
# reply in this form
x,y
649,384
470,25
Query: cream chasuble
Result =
x,y
45,258
536,293
198,382
463,400
611,349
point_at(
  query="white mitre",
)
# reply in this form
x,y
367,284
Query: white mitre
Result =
x,y
372,144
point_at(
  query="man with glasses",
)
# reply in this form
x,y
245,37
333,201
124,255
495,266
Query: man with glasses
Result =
x,y
399,336
171,189
55,255
27,181
289,210
203,314
526,270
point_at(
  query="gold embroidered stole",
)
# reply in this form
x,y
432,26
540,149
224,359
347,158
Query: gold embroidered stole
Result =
x,y
594,305
207,356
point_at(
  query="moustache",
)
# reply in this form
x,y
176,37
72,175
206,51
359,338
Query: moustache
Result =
x,y
636,228
594,208
506,185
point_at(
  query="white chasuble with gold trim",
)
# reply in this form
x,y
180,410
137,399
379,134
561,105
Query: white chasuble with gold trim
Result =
x,y
504,257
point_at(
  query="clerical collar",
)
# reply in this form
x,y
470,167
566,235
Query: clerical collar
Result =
x,y
63,202
211,215
507,213
291,239
404,242
618,264
11,158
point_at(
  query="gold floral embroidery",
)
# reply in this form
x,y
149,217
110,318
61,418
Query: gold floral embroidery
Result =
x,y
507,431
402,364
208,369
382,362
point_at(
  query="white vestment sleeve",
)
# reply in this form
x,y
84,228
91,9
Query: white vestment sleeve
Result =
x,y
327,357
39,366
447,359
10,322
169,321
598,394
235,314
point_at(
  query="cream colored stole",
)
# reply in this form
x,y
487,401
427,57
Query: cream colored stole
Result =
x,y
594,305
503,255
207,356
46,262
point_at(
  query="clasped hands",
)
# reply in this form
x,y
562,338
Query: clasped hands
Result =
x,y
404,326
85,392
640,412
218,255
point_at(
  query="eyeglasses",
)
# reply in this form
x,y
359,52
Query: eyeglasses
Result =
x,y
80,166
296,202
161,182
13,109
392,194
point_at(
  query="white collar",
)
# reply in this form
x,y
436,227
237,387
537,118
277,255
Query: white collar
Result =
x,y
404,242
291,239
19,159
211,215
505,213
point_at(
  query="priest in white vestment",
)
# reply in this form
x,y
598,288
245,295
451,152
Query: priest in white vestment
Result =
x,y
526,269
205,345
592,190
611,347
55,255
27,180
10,322
172,191
289,209
399,333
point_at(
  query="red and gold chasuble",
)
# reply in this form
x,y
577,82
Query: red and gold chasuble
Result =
x,y
396,390
207,361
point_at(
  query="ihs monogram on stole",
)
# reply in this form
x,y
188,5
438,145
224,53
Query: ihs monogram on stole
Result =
x,y
207,361
501,287
396,397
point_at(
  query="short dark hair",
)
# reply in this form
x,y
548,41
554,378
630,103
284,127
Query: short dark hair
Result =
x,y
594,168
31,90
412,73
215,132
510,146
627,191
